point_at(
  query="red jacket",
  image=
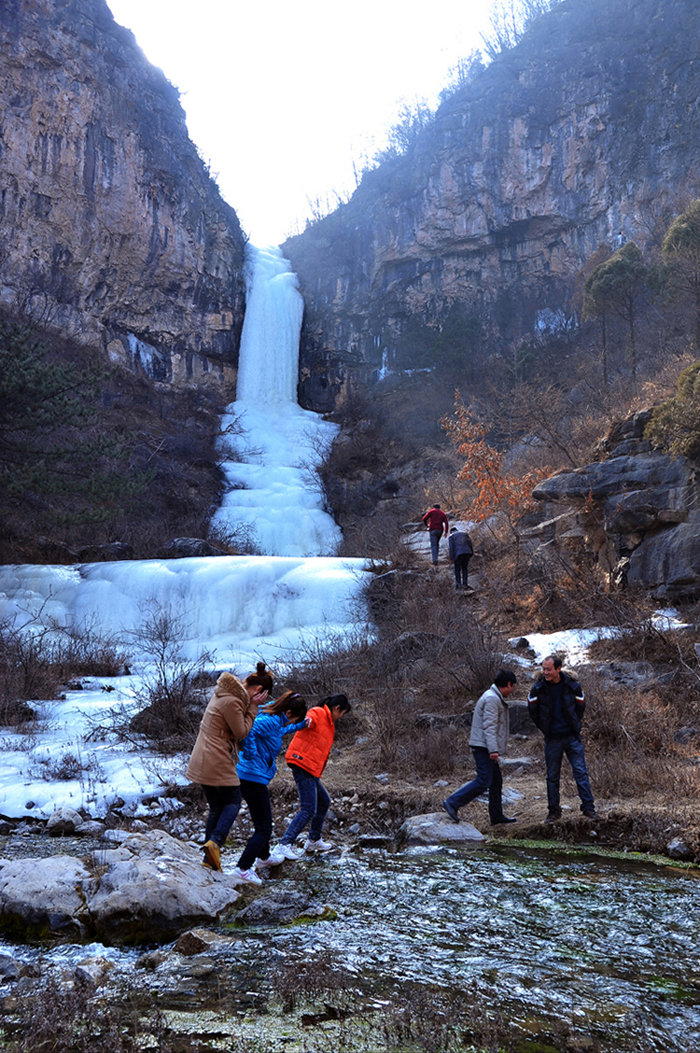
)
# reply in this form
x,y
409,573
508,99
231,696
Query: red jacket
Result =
x,y
435,519
310,747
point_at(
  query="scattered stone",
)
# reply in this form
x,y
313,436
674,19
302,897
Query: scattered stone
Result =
x,y
194,941
436,829
116,836
383,778
92,828
678,849
513,765
150,960
9,967
278,908
355,828
93,971
64,822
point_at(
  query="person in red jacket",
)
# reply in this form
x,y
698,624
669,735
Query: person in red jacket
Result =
x,y
307,756
436,523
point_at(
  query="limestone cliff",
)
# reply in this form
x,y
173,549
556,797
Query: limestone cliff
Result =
x,y
583,134
637,509
112,230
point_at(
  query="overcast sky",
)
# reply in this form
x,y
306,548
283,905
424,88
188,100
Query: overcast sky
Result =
x,y
284,97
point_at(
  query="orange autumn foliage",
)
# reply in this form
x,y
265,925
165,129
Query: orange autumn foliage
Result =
x,y
496,491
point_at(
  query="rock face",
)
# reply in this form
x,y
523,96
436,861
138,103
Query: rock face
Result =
x,y
113,231
571,140
638,509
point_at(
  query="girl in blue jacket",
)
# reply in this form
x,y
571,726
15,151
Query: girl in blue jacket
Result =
x,y
256,768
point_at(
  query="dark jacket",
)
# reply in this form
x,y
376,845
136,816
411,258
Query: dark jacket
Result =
x,y
460,544
541,708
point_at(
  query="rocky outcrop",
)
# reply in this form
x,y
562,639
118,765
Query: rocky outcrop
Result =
x,y
113,233
573,139
148,889
638,509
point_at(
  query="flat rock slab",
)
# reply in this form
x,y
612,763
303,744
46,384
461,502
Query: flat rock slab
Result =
x,y
148,889
436,828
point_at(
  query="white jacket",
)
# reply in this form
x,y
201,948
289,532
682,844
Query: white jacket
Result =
x,y
491,722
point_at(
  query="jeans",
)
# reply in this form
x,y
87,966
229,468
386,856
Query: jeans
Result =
x,y
257,797
435,536
224,803
314,803
554,750
461,570
488,777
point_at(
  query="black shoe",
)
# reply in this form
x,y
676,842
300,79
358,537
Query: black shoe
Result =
x,y
503,819
451,811
590,813
553,815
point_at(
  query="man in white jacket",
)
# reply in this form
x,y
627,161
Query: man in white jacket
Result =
x,y
489,741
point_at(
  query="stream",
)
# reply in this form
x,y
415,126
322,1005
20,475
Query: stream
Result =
x,y
564,949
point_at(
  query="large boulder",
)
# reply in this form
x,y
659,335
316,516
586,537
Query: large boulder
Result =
x,y
435,828
148,889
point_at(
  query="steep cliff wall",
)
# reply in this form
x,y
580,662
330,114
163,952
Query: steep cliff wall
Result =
x,y
112,230
584,132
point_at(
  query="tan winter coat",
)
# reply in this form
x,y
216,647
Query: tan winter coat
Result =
x,y
491,722
227,720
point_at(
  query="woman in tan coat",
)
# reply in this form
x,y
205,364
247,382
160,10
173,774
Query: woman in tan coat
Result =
x,y
227,720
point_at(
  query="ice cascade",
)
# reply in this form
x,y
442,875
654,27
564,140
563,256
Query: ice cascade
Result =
x,y
274,499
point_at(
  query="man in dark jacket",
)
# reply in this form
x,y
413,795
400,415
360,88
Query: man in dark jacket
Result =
x,y
556,705
461,551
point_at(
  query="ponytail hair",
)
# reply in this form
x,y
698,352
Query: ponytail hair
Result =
x,y
336,702
262,677
289,702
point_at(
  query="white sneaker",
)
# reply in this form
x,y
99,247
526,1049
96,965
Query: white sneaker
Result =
x,y
248,876
264,864
318,846
281,852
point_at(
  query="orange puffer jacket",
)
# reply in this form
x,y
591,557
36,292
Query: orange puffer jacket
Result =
x,y
310,747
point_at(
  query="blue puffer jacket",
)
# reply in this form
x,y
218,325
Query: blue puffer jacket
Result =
x,y
258,752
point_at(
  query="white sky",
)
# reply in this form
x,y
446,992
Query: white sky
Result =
x,y
283,96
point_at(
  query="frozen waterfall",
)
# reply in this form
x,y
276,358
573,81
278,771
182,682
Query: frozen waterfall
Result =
x,y
274,500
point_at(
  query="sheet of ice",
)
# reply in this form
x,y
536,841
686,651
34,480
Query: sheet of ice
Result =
x,y
66,764
234,607
572,644
271,447
238,609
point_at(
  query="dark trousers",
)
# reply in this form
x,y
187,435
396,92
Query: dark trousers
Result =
x,y
435,536
224,803
488,777
554,750
257,797
314,802
461,566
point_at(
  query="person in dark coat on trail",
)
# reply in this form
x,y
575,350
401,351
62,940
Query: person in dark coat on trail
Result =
x,y
460,550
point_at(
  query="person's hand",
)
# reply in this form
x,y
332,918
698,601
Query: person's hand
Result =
x,y
259,697
494,757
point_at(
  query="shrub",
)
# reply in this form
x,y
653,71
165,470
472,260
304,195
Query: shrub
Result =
x,y
675,424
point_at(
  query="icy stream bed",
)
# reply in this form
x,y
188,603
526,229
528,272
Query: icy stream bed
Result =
x,y
602,949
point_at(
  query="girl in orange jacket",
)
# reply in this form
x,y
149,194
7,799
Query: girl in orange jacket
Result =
x,y
307,755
